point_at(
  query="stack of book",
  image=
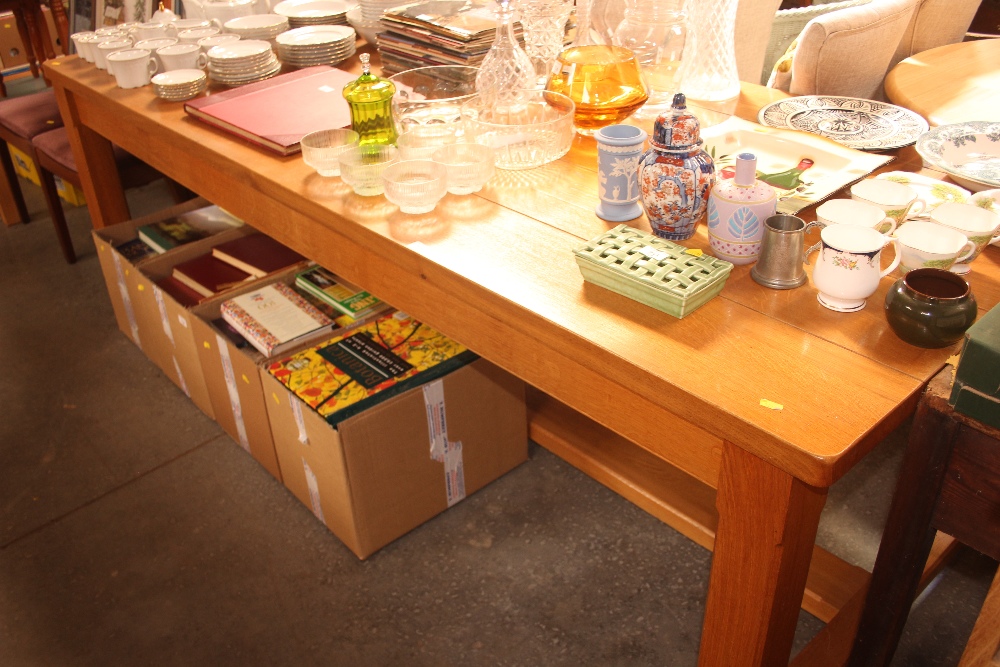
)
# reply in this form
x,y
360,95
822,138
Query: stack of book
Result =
x,y
375,360
338,294
191,226
275,318
439,32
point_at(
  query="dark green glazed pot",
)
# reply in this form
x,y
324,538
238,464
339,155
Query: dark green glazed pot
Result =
x,y
930,307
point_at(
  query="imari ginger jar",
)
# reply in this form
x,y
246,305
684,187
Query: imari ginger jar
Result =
x,y
737,209
675,174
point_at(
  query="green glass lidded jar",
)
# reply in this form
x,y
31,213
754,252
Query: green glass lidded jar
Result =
x,y
370,99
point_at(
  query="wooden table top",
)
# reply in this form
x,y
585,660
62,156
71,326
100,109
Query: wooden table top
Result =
x,y
950,84
496,271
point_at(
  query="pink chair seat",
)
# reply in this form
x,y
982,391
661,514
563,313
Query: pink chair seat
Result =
x,y
30,115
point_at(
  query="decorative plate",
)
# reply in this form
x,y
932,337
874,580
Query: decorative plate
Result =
x,y
856,123
933,191
802,168
969,151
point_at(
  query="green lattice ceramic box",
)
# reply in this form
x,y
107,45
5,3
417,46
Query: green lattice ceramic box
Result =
x,y
651,270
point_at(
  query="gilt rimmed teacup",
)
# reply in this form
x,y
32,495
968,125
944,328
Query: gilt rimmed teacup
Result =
x,y
852,212
928,245
976,224
897,200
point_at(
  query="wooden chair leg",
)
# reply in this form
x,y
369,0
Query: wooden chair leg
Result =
x,y
57,214
982,646
15,211
26,29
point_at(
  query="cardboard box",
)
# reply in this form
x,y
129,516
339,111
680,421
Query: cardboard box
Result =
x,y
976,391
166,325
12,51
24,165
69,192
373,478
232,376
118,270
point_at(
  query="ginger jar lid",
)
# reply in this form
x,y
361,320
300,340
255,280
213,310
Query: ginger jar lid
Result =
x,y
676,129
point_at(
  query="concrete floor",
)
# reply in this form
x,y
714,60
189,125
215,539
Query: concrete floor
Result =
x,y
133,530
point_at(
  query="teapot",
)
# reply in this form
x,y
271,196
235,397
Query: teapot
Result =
x,y
220,11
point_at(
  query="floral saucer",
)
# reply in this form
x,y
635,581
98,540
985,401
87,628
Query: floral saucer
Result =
x,y
968,152
933,191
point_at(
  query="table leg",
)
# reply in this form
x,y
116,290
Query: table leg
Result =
x,y
767,529
95,162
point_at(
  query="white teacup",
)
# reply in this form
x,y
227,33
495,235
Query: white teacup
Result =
x,y
897,200
976,224
192,35
214,40
849,266
77,36
928,245
149,30
175,27
152,45
109,46
182,56
132,67
852,212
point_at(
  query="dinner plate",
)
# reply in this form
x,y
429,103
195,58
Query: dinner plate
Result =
x,y
306,9
968,152
854,122
932,190
316,35
245,48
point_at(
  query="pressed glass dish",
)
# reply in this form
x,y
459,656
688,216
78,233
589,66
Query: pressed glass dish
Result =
x,y
432,96
361,167
534,128
421,143
415,186
469,166
321,150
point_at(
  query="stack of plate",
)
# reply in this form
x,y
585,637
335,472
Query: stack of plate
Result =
x,y
257,26
367,28
180,84
316,45
314,12
242,62
372,10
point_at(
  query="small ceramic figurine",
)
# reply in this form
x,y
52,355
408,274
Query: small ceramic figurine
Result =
x,y
737,209
676,174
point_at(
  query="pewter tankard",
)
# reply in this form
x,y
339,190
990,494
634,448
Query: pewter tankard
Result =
x,y
782,252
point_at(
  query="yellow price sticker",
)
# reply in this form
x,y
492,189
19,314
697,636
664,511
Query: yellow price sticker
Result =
x,y
771,404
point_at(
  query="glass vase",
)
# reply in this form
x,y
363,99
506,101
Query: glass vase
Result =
x,y
544,24
506,68
655,31
708,65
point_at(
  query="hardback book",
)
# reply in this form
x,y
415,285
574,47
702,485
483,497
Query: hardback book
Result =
x,y
338,293
208,275
180,292
374,361
168,234
257,254
277,112
134,250
274,319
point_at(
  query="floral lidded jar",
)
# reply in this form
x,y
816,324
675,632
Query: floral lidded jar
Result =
x,y
676,174
737,209
930,307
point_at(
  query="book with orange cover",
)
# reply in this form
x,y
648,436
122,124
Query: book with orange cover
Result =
x,y
277,112
208,275
257,254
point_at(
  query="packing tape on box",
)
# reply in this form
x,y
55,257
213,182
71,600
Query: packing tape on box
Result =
x,y
164,320
441,449
317,508
296,405
129,313
234,394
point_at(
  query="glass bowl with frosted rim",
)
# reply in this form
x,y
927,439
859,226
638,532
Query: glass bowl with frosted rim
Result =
x,y
469,166
415,186
321,150
526,129
432,96
361,167
419,143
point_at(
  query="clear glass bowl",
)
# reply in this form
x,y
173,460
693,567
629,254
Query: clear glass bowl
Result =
x,y
469,166
415,186
419,143
429,96
321,150
361,167
534,128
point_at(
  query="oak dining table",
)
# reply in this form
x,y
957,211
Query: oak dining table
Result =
x,y
730,424
954,83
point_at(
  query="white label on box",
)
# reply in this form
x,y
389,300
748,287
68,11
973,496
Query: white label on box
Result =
x,y
296,405
180,378
454,472
164,320
437,422
234,394
126,300
313,491
654,253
